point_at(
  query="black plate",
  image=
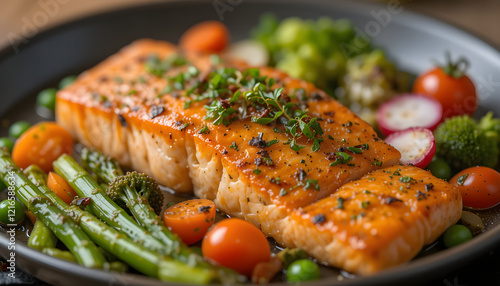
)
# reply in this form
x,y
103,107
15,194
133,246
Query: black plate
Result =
x,y
413,40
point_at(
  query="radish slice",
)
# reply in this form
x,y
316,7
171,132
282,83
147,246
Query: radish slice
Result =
x,y
409,110
252,52
417,145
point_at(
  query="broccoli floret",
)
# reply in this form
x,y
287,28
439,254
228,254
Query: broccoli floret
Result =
x,y
145,186
464,143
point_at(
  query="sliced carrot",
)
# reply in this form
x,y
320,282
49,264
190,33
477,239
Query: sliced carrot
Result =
x,y
31,216
190,219
205,37
61,188
41,145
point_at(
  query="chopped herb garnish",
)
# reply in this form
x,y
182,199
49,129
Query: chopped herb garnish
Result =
x,y
234,146
276,181
341,158
340,203
257,171
310,183
184,126
283,192
272,142
365,204
355,150
406,179
377,162
461,179
268,161
204,130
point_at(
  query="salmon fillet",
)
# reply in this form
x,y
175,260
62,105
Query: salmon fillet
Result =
x,y
249,169
378,221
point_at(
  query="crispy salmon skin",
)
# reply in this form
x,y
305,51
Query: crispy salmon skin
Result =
x,y
198,126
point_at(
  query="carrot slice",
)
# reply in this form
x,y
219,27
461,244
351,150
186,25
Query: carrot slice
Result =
x,y
190,219
61,188
205,37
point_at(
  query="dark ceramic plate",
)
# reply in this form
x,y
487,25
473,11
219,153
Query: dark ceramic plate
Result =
x,y
413,40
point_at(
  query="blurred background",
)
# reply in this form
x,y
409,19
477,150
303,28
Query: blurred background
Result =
x,y
480,17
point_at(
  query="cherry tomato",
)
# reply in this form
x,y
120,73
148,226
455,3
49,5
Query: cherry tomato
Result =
x,y
236,244
451,87
191,219
480,187
61,188
205,37
41,144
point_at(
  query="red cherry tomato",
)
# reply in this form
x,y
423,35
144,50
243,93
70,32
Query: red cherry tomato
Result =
x,y
480,187
451,87
236,244
190,219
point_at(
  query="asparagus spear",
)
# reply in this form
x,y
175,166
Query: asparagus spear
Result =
x,y
61,254
143,198
140,258
84,250
41,237
137,199
101,205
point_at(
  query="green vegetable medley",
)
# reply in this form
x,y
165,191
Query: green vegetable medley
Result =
x,y
330,54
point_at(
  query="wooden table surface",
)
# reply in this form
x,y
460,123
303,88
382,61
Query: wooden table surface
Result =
x,y
21,17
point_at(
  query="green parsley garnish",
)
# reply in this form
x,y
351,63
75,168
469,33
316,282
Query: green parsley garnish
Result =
x,y
461,179
283,192
340,203
204,130
234,146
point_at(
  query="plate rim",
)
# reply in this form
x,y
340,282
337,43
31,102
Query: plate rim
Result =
x,y
445,259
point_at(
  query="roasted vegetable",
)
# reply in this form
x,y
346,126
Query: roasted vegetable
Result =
x,y
144,260
370,80
41,237
463,143
136,192
101,205
84,250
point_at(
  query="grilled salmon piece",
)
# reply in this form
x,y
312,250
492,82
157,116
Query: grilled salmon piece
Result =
x,y
125,108
381,220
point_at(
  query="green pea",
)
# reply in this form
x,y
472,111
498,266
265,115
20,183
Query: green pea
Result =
x,y
302,270
67,81
11,212
455,235
18,128
439,168
47,98
6,142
